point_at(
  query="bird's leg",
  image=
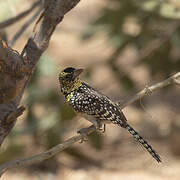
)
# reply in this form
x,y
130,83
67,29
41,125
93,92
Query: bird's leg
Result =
x,y
84,132
101,127
97,125
104,128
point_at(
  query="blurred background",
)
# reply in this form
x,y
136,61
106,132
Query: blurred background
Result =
x,y
123,45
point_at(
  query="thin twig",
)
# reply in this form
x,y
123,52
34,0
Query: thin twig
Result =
x,y
45,155
147,90
24,27
60,147
19,16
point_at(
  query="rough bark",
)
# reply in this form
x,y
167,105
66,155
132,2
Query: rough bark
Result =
x,y
16,68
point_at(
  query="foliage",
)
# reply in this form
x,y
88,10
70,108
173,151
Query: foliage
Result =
x,y
151,27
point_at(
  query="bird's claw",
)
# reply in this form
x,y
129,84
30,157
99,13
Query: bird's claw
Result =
x,y
82,132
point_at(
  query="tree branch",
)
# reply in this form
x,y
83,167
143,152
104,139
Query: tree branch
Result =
x,y
45,155
148,90
24,27
19,16
60,147
16,69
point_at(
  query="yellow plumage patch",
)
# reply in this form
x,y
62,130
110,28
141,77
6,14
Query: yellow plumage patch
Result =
x,y
72,88
69,96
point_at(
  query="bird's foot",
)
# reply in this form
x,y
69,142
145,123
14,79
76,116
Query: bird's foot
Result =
x,y
85,131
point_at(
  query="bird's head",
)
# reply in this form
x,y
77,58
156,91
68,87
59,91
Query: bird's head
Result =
x,y
69,79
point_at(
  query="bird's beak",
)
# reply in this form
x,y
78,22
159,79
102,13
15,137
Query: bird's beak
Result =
x,y
77,72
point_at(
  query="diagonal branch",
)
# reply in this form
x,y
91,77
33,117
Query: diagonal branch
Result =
x,y
148,90
45,155
60,147
16,69
19,16
24,27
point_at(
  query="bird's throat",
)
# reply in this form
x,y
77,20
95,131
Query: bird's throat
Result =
x,y
69,89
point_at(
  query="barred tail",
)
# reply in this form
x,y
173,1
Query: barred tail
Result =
x,y
144,143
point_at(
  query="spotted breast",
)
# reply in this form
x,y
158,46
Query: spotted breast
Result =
x,y
87,100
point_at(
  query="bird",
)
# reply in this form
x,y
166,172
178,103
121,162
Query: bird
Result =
x,y
95,106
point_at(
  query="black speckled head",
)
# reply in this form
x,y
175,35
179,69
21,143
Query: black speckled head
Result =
x,y
70,74
69,70
69,78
